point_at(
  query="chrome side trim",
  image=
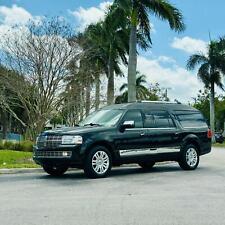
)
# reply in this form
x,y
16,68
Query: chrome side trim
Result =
x,y
136,152
137,129
148,151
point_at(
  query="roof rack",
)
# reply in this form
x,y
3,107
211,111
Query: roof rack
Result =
x,y
158,102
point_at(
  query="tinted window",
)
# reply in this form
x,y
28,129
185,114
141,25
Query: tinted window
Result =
x,y
191,119
104,117
158,120
134,115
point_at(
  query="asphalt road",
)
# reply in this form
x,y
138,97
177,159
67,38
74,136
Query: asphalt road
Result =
x,y
165,195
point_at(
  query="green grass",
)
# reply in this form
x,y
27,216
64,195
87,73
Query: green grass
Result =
x,y
219,145
14,159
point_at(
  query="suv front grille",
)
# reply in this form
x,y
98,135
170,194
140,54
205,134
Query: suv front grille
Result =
x,y
50,142
53,154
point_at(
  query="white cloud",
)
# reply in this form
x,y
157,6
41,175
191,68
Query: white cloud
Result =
x,y
165,59
189,45
184,84
15,15
13,21
90,15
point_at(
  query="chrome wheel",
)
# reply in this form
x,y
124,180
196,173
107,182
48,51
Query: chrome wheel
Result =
x,y
192,157
100,162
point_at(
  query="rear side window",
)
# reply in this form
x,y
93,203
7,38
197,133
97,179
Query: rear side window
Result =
x,y
159,119
191,119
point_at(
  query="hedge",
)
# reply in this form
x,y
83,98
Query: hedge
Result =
x,y
23,146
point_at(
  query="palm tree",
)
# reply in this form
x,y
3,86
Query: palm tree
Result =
x,y
137,12
211,69
143,93
110,39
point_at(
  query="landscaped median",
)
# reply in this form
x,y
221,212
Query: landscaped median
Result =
x,y
16,159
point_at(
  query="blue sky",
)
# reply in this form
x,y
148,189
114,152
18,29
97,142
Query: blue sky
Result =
x,y
165,61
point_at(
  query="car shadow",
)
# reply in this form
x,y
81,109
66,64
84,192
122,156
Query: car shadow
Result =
x,y
119,172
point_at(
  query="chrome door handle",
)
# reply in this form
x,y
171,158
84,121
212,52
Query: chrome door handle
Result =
x,y
142,134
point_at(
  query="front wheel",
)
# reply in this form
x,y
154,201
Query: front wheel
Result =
x,y
98,162
189,158
55,170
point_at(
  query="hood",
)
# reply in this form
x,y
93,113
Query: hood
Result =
x,y
75,130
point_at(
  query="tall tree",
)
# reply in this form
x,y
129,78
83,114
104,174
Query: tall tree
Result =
x,y
211,68
39,56
137,11
110,38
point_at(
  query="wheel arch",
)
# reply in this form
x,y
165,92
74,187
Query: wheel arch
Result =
x,y
103,143
192,139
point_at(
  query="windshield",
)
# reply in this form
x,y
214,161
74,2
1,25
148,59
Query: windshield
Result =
x,y
107,117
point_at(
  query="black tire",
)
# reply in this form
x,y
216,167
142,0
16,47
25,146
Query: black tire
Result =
x,y
55,170
146,165
187,163
91,163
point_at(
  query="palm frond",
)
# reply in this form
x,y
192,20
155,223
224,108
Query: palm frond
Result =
x,y
204,74
166,11
196,60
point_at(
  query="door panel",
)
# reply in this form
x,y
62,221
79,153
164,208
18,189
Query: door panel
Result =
x,y
162,131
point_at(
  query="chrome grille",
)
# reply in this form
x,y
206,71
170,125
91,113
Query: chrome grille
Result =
x,y
53,154
50,142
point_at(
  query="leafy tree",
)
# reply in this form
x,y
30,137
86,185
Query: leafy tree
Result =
x,y
137,12
40,58
210,71
202,103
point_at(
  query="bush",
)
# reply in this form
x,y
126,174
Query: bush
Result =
x,y
23,146
26,146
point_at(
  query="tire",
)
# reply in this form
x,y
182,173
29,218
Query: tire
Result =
x,y
55,170
98,162
189,158
146,165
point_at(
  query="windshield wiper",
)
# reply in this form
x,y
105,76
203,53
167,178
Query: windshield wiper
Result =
x,y
92,124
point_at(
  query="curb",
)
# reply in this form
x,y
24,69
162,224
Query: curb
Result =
x,y
23,170
40,170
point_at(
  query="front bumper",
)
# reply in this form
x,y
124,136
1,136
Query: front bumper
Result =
x,y
62,156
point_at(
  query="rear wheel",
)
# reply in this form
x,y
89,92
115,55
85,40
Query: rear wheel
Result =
x,y
55,170
98,163
189,158
147,165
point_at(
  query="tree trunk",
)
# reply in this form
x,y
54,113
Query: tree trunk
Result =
x,y
212,110
132,66
97,92
88,99
110,88
4,124
82,103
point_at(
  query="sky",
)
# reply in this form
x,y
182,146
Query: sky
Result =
x,y
164,62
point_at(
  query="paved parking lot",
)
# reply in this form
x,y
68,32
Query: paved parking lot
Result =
x,y
165,195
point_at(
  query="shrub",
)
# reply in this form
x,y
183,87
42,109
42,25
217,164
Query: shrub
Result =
x,y
24,146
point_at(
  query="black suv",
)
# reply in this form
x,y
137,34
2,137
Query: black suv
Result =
x,y
141,132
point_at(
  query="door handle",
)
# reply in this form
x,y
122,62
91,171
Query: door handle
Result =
x,y
142,134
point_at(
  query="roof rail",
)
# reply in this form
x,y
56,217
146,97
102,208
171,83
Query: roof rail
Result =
x,y
158,102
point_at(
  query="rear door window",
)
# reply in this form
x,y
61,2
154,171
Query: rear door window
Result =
x,y
159,119
191,119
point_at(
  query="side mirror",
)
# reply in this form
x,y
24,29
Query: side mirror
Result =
x,y
127,125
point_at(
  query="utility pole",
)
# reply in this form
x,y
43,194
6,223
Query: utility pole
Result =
x,y
166,93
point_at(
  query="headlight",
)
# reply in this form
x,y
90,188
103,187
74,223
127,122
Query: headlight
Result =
x,y
71,140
